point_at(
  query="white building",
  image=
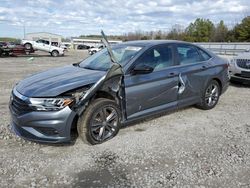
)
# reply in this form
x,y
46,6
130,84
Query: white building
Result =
x,y
44,35
90,42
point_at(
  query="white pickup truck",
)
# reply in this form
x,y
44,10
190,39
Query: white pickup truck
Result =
x,y
94,50
43,45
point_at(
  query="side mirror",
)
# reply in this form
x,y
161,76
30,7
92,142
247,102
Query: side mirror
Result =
x,y
142,69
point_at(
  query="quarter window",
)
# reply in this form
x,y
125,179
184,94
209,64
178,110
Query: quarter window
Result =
x,y
158,57
205,56
188,54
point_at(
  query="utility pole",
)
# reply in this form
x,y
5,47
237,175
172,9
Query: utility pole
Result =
x,y
24,32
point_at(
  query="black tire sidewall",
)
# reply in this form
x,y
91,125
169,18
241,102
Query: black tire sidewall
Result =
x,y
84,122
203,104
54,52
28,44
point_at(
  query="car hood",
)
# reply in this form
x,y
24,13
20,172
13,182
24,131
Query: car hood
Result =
x,y
57,81
245,55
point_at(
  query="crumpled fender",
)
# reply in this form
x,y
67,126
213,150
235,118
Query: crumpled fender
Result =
x,y
112,82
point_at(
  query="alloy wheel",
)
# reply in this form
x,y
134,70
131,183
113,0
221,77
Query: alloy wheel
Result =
x,y
104,123
212,95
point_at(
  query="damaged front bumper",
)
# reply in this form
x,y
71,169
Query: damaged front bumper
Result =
x,y
55,126
48,127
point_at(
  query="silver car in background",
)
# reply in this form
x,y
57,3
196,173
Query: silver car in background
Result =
x,y
240,68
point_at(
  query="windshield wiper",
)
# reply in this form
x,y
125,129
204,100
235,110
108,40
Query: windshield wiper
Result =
x,y
90,68
76,64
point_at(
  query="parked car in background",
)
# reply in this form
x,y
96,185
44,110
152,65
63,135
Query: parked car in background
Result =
x,y
3,44
113,87
21,50
12,44
94,50
65,46
4,49
43,45
82,47
240,68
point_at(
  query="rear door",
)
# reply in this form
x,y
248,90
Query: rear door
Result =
x,y
155,91
194,73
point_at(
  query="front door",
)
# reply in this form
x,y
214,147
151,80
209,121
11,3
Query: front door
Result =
x,y
156,91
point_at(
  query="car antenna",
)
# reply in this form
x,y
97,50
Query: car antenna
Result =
x,y
106,43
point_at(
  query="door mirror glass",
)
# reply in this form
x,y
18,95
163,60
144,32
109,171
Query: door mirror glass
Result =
x,y
142,69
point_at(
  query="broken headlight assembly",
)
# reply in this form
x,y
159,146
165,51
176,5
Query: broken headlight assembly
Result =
x,y
50,104
57,103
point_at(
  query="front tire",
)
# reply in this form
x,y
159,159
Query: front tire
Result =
x,y
100,121
210,96
54,53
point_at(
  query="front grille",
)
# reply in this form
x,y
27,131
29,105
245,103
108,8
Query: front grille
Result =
x,y
243,63
19,106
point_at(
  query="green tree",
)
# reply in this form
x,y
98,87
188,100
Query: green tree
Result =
x,y
242,30
176,33
200,31
220,32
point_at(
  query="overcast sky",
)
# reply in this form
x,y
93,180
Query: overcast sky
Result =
x,y
76,17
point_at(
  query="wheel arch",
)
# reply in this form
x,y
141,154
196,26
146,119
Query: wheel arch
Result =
x,y
103,94
28,43
54,50
219,82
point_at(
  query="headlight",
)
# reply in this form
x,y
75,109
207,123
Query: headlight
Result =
x,y
50,104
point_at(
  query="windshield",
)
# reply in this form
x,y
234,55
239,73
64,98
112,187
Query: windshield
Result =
x,y
101,60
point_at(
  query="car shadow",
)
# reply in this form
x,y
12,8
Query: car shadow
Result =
x,y
239,84
153,117
74,134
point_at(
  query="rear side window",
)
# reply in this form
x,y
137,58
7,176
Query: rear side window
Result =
x,y
205,56
188,54
158,57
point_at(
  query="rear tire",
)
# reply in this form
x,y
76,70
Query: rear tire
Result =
x,y
210,96
54,53
28,46
100,122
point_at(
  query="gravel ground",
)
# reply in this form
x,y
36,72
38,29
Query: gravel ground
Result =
x,y
187,148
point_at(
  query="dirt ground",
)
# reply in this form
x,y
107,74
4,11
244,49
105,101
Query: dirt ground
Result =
x,y
186,148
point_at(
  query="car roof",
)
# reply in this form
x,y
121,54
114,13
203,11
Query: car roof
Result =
x,y
146,43
150,43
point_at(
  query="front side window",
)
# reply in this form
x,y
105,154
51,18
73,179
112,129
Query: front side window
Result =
x,y
101,60
46,42
188,54
53,43
158,57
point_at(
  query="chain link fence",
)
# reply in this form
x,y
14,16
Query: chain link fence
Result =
x,y
232,48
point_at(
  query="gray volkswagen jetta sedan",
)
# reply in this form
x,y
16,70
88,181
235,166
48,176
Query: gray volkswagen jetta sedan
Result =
x,y
113,87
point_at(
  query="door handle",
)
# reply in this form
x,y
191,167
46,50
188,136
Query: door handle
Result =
x,y
172,74
204,67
